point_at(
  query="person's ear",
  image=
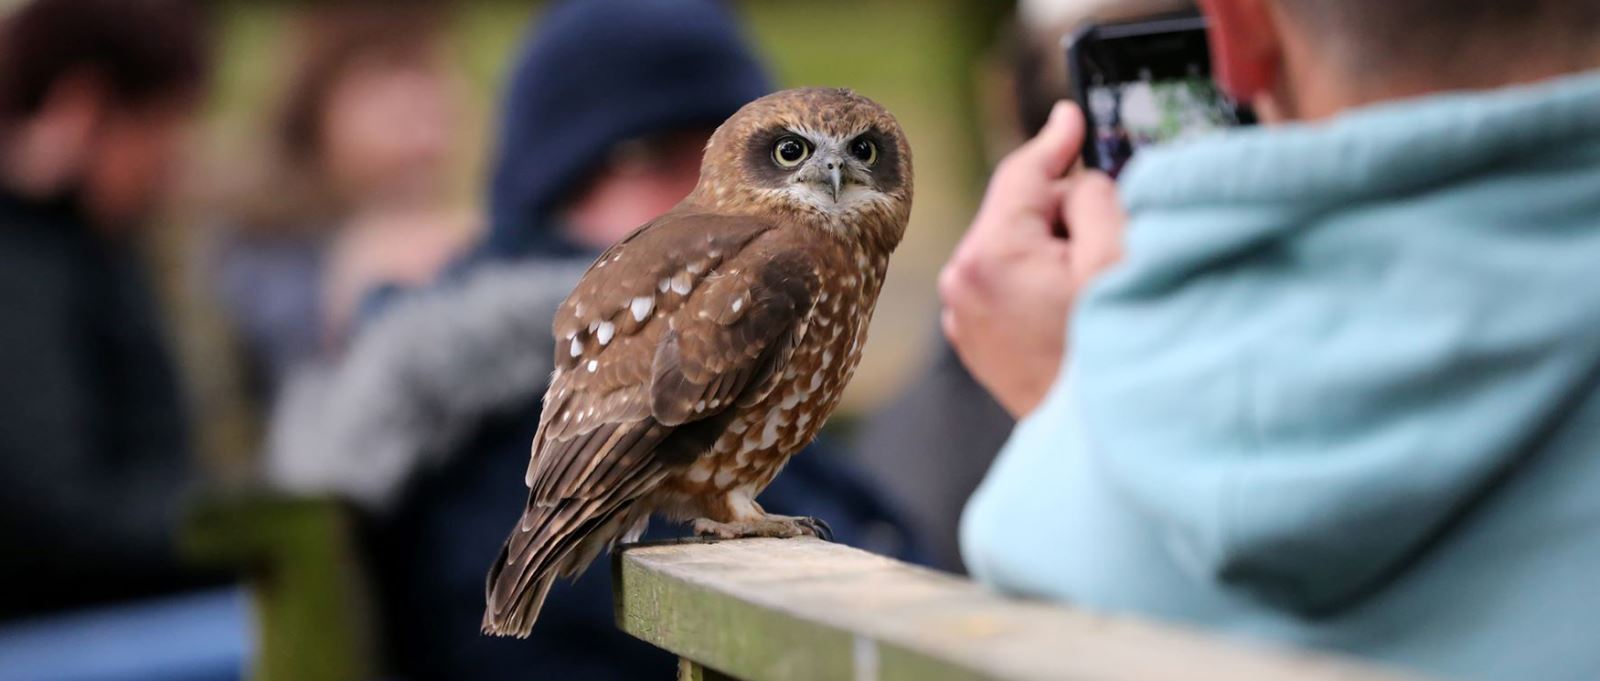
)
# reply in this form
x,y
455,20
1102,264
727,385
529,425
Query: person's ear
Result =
x,y
1246,50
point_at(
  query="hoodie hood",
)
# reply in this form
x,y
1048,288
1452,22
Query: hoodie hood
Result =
x,y
600,72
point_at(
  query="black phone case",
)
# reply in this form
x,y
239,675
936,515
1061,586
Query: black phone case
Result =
x,y
1080,42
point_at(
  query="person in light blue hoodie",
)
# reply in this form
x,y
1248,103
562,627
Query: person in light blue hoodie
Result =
x,y
1332,382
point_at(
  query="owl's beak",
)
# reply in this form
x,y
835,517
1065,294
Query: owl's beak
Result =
x,y
827,173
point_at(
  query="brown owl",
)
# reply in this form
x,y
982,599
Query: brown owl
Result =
x,y
702,351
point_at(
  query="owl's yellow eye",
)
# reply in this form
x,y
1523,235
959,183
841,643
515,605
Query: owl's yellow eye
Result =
x,y
790,151
864,150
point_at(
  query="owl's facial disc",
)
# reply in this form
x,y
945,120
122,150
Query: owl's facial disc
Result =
x,y
828,173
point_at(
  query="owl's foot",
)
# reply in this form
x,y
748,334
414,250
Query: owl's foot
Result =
x,y
777,526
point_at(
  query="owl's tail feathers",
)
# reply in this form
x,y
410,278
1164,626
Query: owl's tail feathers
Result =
x,y
522,574
551,541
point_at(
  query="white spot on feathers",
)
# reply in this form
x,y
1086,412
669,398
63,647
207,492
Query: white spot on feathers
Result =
x,y
604,332
641,307
681,283
696,267
769,435
577,347
737,303
593,365
724,477
701,472
663,285
816,381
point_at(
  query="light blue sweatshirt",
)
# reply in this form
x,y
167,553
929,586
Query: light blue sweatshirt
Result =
x,y
1343,391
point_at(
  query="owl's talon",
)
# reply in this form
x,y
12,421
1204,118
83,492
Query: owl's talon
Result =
x,y
818,527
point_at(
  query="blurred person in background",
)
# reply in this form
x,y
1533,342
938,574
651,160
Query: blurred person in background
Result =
x,y
1332,382
95,99
930,446
357,198
427,421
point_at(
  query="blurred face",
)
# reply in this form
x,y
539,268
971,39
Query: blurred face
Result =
x,y
132,161
640,181
388,131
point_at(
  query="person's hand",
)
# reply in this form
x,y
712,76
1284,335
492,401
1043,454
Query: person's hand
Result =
x,y
1011,283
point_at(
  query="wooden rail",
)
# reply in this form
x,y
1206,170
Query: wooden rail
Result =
x,y
306,586
804,610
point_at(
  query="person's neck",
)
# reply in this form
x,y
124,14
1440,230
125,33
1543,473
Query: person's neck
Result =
x,y
1335,91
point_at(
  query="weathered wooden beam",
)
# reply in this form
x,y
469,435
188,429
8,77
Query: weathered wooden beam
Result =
x,y
805,610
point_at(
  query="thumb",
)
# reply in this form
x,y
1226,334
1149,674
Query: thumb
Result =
x,y
1058,144
1095,219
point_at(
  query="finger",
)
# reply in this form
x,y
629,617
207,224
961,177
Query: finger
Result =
x,y
1020,222
1057,145
1095,217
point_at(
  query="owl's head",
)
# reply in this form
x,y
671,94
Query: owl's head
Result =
x,y
826,157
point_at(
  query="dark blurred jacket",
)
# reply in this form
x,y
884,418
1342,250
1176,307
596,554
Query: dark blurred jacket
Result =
x,y
429,419
269,287
93,443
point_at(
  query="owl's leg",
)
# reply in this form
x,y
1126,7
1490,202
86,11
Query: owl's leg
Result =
x,y
770,525
743,517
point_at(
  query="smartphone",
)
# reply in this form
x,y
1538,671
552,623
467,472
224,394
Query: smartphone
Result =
x,y
1146,82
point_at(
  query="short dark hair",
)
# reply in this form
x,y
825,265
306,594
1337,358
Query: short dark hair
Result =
x,y
1436,36
142,49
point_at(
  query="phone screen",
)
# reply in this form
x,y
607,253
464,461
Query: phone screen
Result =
x,y
1147,83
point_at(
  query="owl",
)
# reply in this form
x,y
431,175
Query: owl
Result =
x,y
699,353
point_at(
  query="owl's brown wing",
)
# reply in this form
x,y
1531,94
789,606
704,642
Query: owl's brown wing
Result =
x,y
622,382
738,330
